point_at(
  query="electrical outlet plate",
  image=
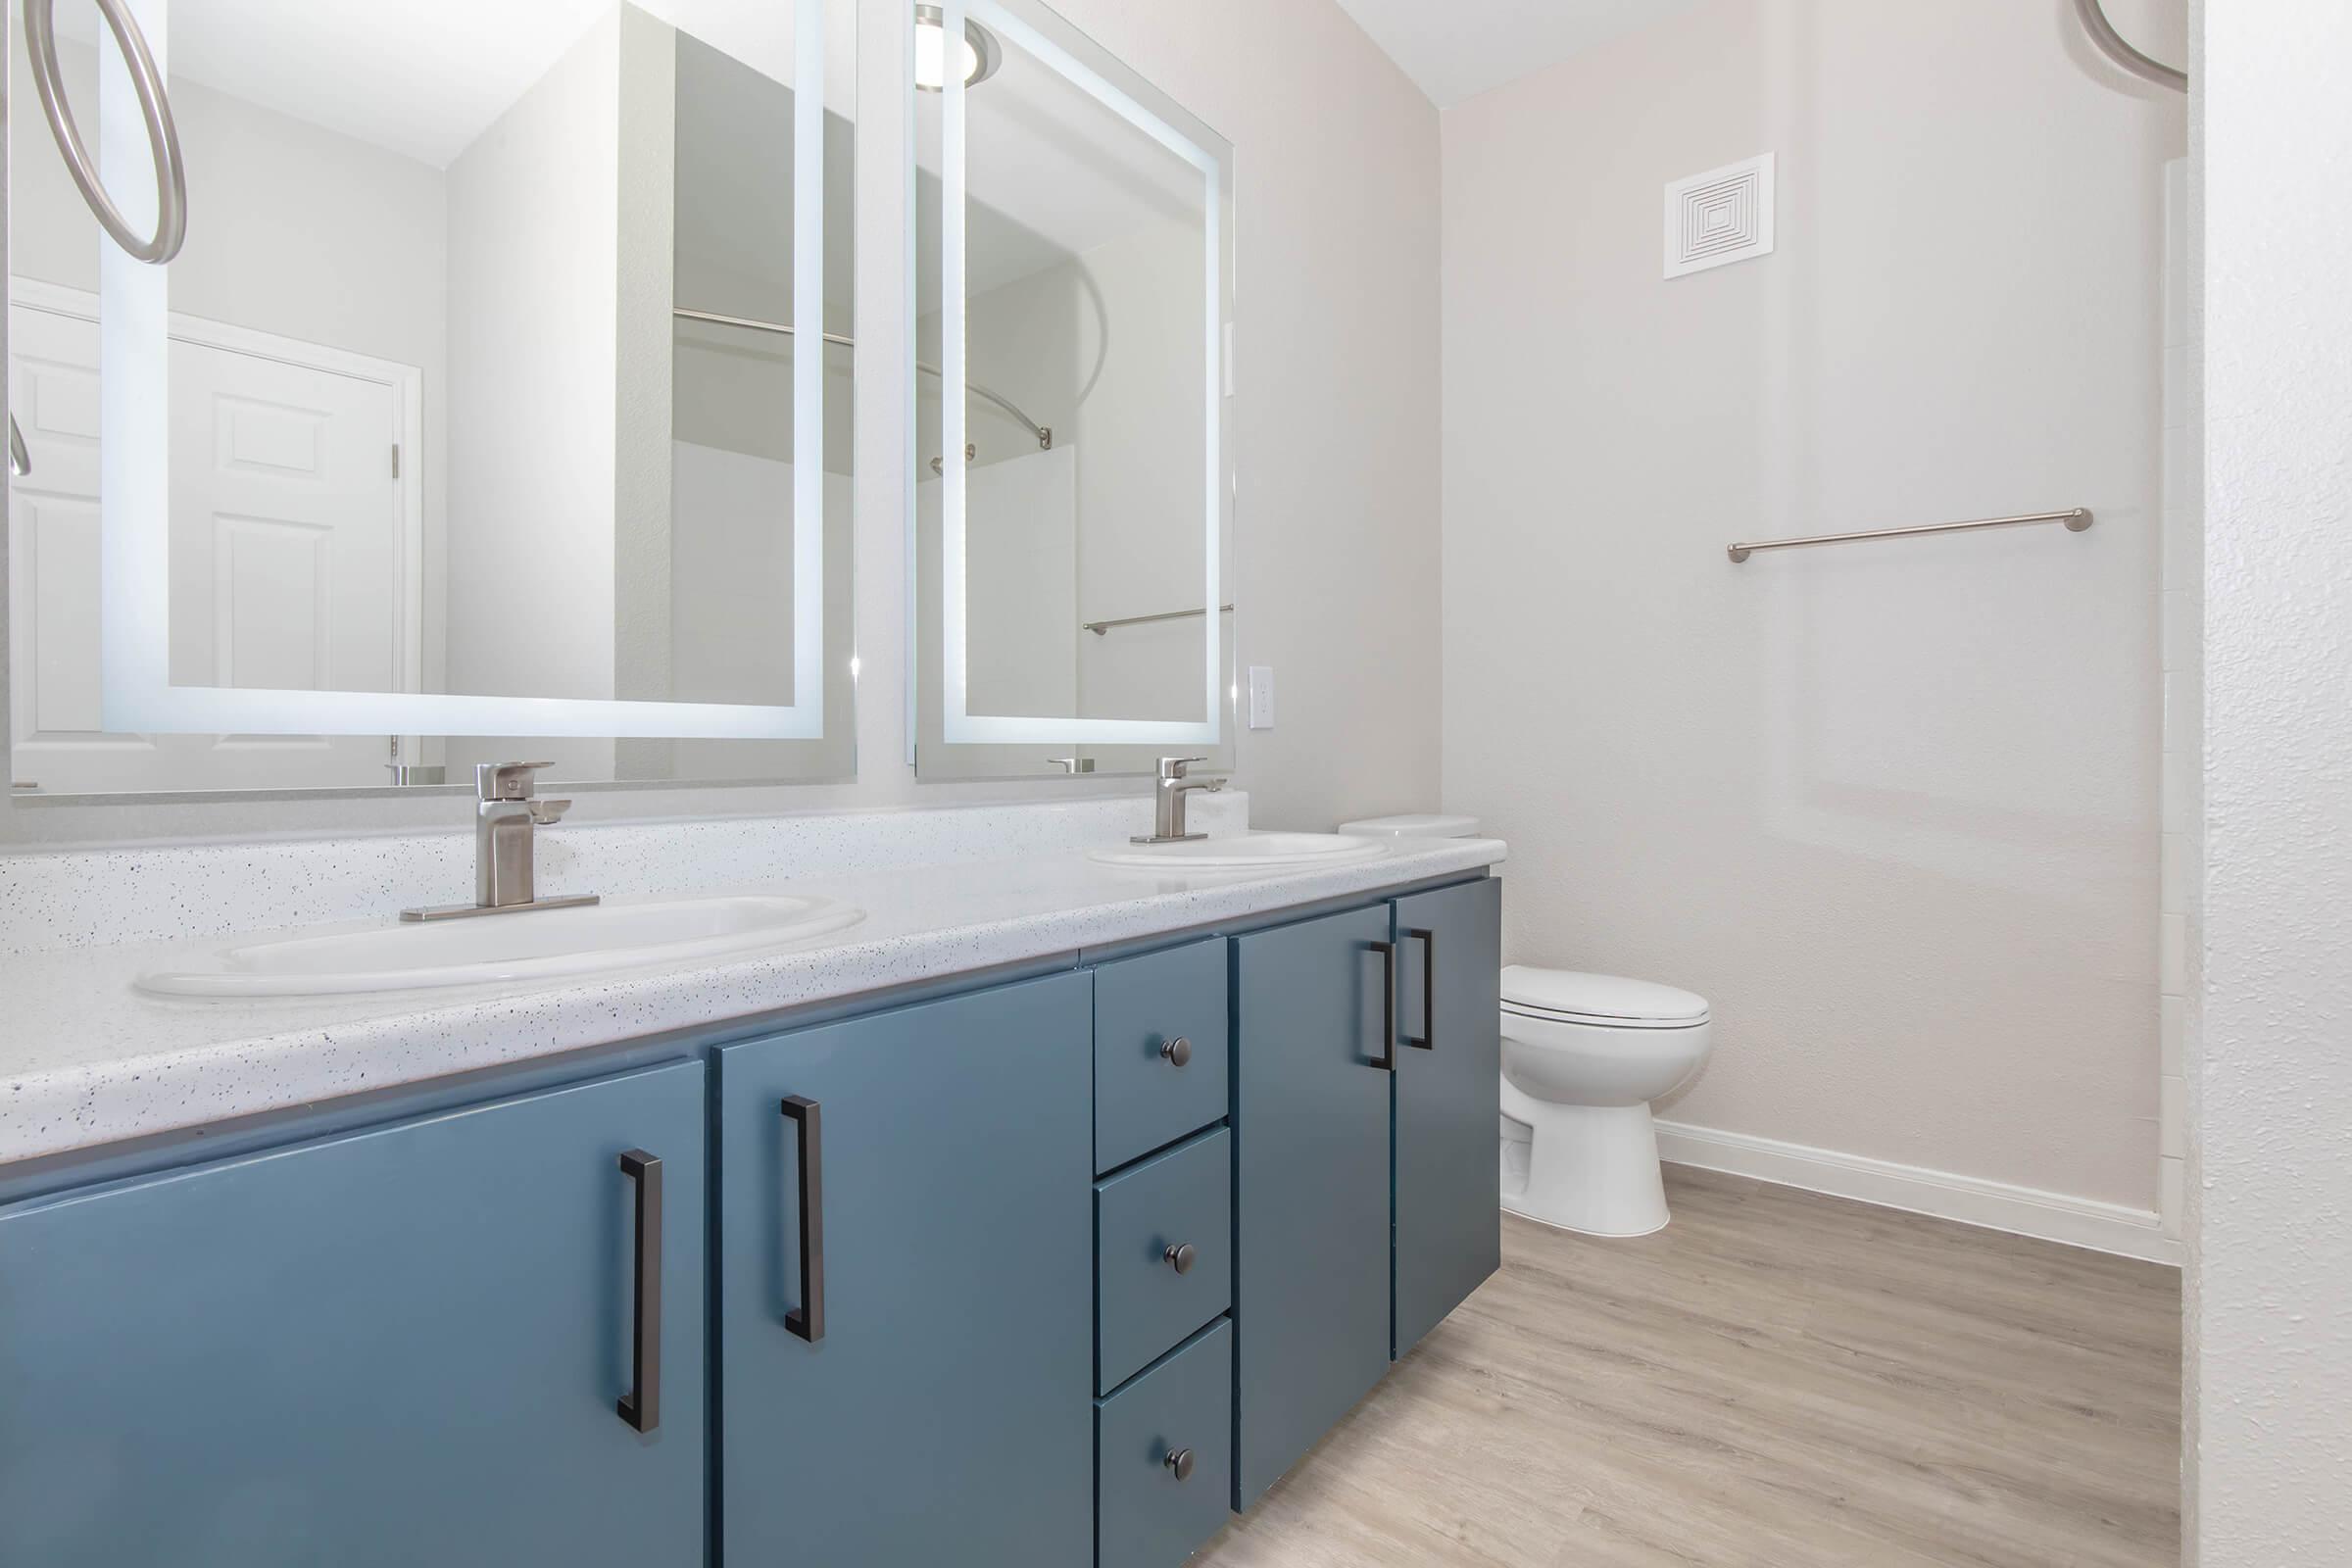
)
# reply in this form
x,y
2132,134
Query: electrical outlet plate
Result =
x,y
1262,697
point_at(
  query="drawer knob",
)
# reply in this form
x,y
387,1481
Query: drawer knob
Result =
x,y
1180,1461
1177,1050
1180,1256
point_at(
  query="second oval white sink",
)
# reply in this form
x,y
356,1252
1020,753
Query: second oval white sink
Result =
x,y
1251,851
536,944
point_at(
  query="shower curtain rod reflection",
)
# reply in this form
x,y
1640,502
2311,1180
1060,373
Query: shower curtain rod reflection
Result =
x,y
1044,433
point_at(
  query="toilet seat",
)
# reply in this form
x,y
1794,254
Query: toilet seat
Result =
x,y
1603,1000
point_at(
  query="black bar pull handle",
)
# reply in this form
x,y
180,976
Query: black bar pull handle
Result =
x,y
641,1406
1429,989
1386,1061
808,1320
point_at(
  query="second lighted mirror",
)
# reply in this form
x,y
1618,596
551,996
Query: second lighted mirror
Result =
x,y
1073,486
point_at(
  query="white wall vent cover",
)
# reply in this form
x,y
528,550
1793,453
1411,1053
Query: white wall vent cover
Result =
x,y
1722,216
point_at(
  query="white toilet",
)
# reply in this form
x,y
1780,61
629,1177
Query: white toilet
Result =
x,y
1583,1057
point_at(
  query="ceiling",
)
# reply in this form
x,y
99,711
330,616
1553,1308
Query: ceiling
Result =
x,y
1457,49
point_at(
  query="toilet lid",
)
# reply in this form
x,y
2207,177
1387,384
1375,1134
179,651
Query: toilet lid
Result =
x,y
1598,998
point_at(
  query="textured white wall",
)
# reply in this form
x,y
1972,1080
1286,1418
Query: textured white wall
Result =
x,y
2271,1209
1892,808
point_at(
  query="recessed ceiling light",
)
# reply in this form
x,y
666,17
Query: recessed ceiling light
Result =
x,y
981,53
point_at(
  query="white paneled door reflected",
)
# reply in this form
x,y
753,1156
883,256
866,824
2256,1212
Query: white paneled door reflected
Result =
x,y
288,549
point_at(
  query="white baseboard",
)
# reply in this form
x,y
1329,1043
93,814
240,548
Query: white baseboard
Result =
x,y
1969,1200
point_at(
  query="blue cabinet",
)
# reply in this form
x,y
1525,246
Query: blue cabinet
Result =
x,y
1311,1062
1367,1061
1448,1074
904,1271
407,1345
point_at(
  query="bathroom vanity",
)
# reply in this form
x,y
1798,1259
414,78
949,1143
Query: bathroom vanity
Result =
x,y
973,1187
1055,1261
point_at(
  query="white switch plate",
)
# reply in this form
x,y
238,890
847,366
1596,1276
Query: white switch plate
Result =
x,y
1262,697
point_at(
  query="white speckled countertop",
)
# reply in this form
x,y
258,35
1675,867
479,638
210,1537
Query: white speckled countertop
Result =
x,y
86,1059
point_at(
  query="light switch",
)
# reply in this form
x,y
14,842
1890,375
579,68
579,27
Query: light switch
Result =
x,y
1262,697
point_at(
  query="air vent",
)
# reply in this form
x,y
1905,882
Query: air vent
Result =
x,y
1720,217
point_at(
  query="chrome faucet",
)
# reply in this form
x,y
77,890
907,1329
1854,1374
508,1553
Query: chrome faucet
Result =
x,y
507,819
1167,800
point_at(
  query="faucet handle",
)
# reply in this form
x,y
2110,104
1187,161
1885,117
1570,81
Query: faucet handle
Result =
x,y
1172,767
507,781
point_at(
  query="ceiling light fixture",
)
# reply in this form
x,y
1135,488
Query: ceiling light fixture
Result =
x,y
981,53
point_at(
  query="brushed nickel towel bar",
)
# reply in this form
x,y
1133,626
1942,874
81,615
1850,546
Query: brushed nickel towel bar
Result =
x,y
1044,433
1101,627
2076,519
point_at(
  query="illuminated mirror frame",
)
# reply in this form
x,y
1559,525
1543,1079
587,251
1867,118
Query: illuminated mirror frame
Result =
x,y
135,507
958,725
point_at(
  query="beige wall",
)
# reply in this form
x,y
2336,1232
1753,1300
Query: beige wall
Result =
x,y
1893,808
1337,415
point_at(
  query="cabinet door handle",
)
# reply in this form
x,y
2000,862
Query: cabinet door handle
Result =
x,y
1386,1058
1178,1051
1429,989
1180,1462
808,1320
641,1406
1180,1255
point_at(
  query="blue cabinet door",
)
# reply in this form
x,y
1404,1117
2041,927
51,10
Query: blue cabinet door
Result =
x,y
396,1346
922,1391
1449,1083
1310,1109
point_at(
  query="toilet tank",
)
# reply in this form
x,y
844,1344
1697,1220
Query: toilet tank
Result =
x,y
1424,826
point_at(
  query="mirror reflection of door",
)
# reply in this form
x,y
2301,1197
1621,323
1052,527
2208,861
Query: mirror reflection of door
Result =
x,y
291,551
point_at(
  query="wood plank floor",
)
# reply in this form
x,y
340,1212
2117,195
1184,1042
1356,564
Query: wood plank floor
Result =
x,y
1778,1379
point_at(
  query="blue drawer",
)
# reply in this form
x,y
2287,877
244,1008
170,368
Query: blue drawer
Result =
x,y
1145,1220
1181,1411
1143,1008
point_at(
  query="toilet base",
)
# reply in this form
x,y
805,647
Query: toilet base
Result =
x,y
1592,1169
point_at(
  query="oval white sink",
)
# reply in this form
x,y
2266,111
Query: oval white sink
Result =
x,y
537,945
1253,852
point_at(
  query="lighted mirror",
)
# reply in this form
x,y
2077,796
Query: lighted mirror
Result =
x,y
495,404
1073,461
